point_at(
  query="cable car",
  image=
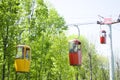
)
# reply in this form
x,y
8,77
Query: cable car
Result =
x,y
75,56
103,37
23,57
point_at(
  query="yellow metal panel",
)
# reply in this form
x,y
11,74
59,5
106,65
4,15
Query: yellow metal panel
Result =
x,y
22,65
27,65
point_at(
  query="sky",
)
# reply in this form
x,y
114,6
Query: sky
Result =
x,y
87,11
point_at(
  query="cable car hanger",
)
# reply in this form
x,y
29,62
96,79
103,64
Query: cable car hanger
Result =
x,y
78,30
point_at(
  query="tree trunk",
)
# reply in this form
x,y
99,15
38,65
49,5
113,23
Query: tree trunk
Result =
x,y
76,76
8,70
118,70
3,68
4,58
5,42
90,57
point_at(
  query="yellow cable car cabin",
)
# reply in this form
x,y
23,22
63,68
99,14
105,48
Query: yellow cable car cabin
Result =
x,y
23,57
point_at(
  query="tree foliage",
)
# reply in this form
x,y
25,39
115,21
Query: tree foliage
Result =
x,y
9,14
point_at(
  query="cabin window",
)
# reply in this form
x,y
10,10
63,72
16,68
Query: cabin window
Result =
x,y
20,52
73,47
27,53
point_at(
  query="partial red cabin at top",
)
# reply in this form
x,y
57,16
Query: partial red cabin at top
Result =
x,y
103,37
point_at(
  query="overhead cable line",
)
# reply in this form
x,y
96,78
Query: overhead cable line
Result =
x,y
81,24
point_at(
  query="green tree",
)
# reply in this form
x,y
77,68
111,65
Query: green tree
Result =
x,y
9,14
43,27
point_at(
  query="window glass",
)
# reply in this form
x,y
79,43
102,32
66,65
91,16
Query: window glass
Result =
x,y
103,34
79,47
27,53
73,47
20,53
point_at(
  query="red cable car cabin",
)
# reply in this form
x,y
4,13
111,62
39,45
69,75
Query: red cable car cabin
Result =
x,y
75,56
103,37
